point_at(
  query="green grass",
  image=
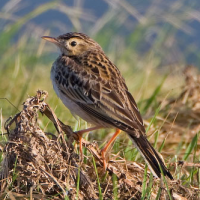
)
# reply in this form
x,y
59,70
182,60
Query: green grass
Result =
x,y
98,181
78,183
115,185
144,189
191,146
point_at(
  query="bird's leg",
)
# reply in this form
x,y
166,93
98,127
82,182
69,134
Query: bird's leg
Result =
x,y
80,134
104,150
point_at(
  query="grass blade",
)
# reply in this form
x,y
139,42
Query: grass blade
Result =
x,y
115,192
191,146
149,188
144,183
98,182
78,183
153,96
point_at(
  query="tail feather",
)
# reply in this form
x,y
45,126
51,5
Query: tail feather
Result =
x,y
151,156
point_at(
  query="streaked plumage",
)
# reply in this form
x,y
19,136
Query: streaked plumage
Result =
x,y
91,86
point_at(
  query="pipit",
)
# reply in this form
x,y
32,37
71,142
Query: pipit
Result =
x,y
92,87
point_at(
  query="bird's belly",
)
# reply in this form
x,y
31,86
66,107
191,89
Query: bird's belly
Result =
x,y
75,109
71,105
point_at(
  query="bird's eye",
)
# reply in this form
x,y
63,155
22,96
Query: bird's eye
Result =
x,y
73,43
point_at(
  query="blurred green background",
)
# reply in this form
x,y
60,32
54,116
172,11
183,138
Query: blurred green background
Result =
x,y
147,40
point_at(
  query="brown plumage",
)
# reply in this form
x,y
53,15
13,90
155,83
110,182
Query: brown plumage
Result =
x,y
91,86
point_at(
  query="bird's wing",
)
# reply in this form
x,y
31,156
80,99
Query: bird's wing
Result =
x,y
104,99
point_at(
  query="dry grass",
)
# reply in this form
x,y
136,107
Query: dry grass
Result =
x,y
39,165
179,120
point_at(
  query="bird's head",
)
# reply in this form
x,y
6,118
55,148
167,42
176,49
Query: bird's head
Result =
x,y
73,44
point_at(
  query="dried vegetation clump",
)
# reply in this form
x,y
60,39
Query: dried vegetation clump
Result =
x,y
38,165
179,119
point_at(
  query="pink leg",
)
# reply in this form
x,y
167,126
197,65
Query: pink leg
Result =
x,y
80,134
104,150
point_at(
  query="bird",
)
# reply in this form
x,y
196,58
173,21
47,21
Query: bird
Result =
x,y
92,87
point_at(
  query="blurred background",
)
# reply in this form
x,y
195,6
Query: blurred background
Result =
x,y
151,42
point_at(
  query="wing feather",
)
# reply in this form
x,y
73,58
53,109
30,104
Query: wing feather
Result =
x,y
107,99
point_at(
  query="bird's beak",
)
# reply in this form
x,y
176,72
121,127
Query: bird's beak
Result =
x,y
50,39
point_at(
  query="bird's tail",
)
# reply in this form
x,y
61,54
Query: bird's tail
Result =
x,y
151,157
